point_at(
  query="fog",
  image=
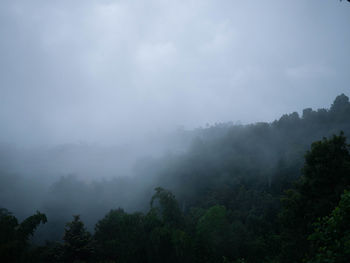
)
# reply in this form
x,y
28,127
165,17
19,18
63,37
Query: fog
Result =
x,y
99,95
114,71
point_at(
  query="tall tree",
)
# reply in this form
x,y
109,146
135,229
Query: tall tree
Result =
x,y
14,237
326,174
331,238
121,237
77,242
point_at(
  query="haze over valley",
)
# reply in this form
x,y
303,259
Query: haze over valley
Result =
x,y
174,131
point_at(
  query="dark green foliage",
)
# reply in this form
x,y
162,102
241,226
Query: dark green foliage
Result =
x,y
168,239
9,245
331,238
165,205
8,223
77,246
214,236
27,227
228,207
121,237
326,174
14,245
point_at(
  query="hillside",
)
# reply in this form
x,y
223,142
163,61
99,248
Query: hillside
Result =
x,y
222,201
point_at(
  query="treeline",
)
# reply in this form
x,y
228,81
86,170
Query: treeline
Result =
x,y
311,225
261,157
244,193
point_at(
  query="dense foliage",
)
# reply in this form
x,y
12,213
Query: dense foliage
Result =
x,y
14,236
331,237
239,194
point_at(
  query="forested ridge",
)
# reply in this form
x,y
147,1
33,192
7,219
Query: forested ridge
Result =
x,y
264,192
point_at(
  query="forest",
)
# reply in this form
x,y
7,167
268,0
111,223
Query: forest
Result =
x,y
264,192
172,131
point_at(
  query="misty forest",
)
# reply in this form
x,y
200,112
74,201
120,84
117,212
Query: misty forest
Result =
x,y
174,131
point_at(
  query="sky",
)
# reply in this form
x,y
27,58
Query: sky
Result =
x,y
109,71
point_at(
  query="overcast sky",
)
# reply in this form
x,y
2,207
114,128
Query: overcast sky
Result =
x,y
96,71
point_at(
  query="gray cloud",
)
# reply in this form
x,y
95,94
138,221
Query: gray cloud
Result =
x,y
110,70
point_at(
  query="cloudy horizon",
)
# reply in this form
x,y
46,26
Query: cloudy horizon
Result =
x,y
101,71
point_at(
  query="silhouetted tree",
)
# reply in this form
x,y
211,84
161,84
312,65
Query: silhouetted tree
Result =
x,y
163,202
77,244
326,174
14,237
331,238
121,237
